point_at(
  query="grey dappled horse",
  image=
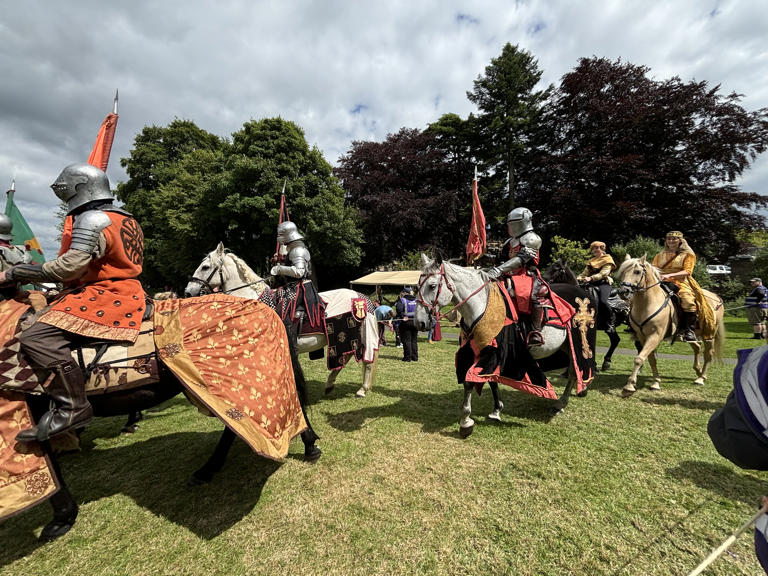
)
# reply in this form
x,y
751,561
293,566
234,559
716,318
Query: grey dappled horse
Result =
x,y
442,283
223,270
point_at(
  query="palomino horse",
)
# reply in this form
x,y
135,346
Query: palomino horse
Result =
x,y
653,317
560,273
442,283
165,386
224,271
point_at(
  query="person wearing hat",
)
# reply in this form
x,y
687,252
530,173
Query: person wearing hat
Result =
x,y
405,310
757,308
676,262
597,274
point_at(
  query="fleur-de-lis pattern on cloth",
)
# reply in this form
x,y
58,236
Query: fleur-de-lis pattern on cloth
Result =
x,y
232,354
25,477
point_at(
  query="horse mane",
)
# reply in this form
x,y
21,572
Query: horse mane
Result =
x,y
246,272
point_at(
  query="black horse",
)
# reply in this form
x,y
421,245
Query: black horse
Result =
x,y
134,400
608,321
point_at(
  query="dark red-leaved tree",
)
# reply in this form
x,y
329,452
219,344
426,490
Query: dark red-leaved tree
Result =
x,y
622,154
406,191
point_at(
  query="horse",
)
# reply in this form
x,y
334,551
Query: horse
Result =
x,y
560,273
654,318
132,400
442,283
221,270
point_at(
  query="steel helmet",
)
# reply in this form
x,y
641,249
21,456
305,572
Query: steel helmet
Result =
x,y
519,221
5,227
81,183
287,233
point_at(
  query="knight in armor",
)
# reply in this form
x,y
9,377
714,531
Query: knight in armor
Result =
x,y
597,275
298,299
676,264
10,255
519,259
100,259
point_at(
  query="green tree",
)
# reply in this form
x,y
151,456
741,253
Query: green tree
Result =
x,y
573,252
190,189
510,107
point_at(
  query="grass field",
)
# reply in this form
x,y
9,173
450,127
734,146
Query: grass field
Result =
x,y
612,486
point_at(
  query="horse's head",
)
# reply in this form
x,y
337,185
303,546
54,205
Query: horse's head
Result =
x,y
636,275
212,274
432,290
560,273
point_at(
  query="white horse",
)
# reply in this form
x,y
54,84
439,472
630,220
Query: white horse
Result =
x,y
653,318
224,271
442,283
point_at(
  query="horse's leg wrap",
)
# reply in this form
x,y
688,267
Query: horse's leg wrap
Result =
x,y
67,390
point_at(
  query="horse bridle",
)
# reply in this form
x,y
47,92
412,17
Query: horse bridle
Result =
x,y
638,286
434,308
219,268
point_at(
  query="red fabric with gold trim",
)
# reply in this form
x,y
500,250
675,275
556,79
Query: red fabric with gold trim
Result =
x,y
109,302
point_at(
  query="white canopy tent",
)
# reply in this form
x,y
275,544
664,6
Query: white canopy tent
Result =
x,y
393,278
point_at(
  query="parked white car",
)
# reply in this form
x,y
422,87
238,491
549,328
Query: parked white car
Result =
x,y
718,269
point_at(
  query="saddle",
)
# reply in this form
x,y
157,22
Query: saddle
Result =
x,y
106,365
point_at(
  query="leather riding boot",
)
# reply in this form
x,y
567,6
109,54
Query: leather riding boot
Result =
x,y
535,337
686,327
72,410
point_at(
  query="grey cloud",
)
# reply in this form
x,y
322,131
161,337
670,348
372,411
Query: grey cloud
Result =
x,y
221,64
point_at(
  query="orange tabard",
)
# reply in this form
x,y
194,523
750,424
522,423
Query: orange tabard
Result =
x,y
107,302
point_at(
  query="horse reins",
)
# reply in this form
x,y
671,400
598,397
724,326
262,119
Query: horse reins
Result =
x,y
634,288
434,308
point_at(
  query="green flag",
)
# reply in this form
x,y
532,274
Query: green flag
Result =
x,y
22,233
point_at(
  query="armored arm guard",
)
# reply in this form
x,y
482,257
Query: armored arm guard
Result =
x,y
26,273
86,231
300,268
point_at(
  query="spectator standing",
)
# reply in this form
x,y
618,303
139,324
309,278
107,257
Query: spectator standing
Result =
x,y
757,308
409,333
384,315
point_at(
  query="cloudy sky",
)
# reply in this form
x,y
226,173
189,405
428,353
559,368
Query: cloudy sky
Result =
x,y
343,71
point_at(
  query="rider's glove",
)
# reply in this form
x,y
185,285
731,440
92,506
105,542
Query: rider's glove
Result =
x,y
493,273
527,253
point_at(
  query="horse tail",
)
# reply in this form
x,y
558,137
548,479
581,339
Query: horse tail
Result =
x,y
717,347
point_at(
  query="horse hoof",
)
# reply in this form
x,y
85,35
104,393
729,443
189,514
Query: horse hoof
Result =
x,y
627,391
699,382
55,529
329,390
606,366
494,417
360,393
466,431
129,429
655,386
312,454
582,394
